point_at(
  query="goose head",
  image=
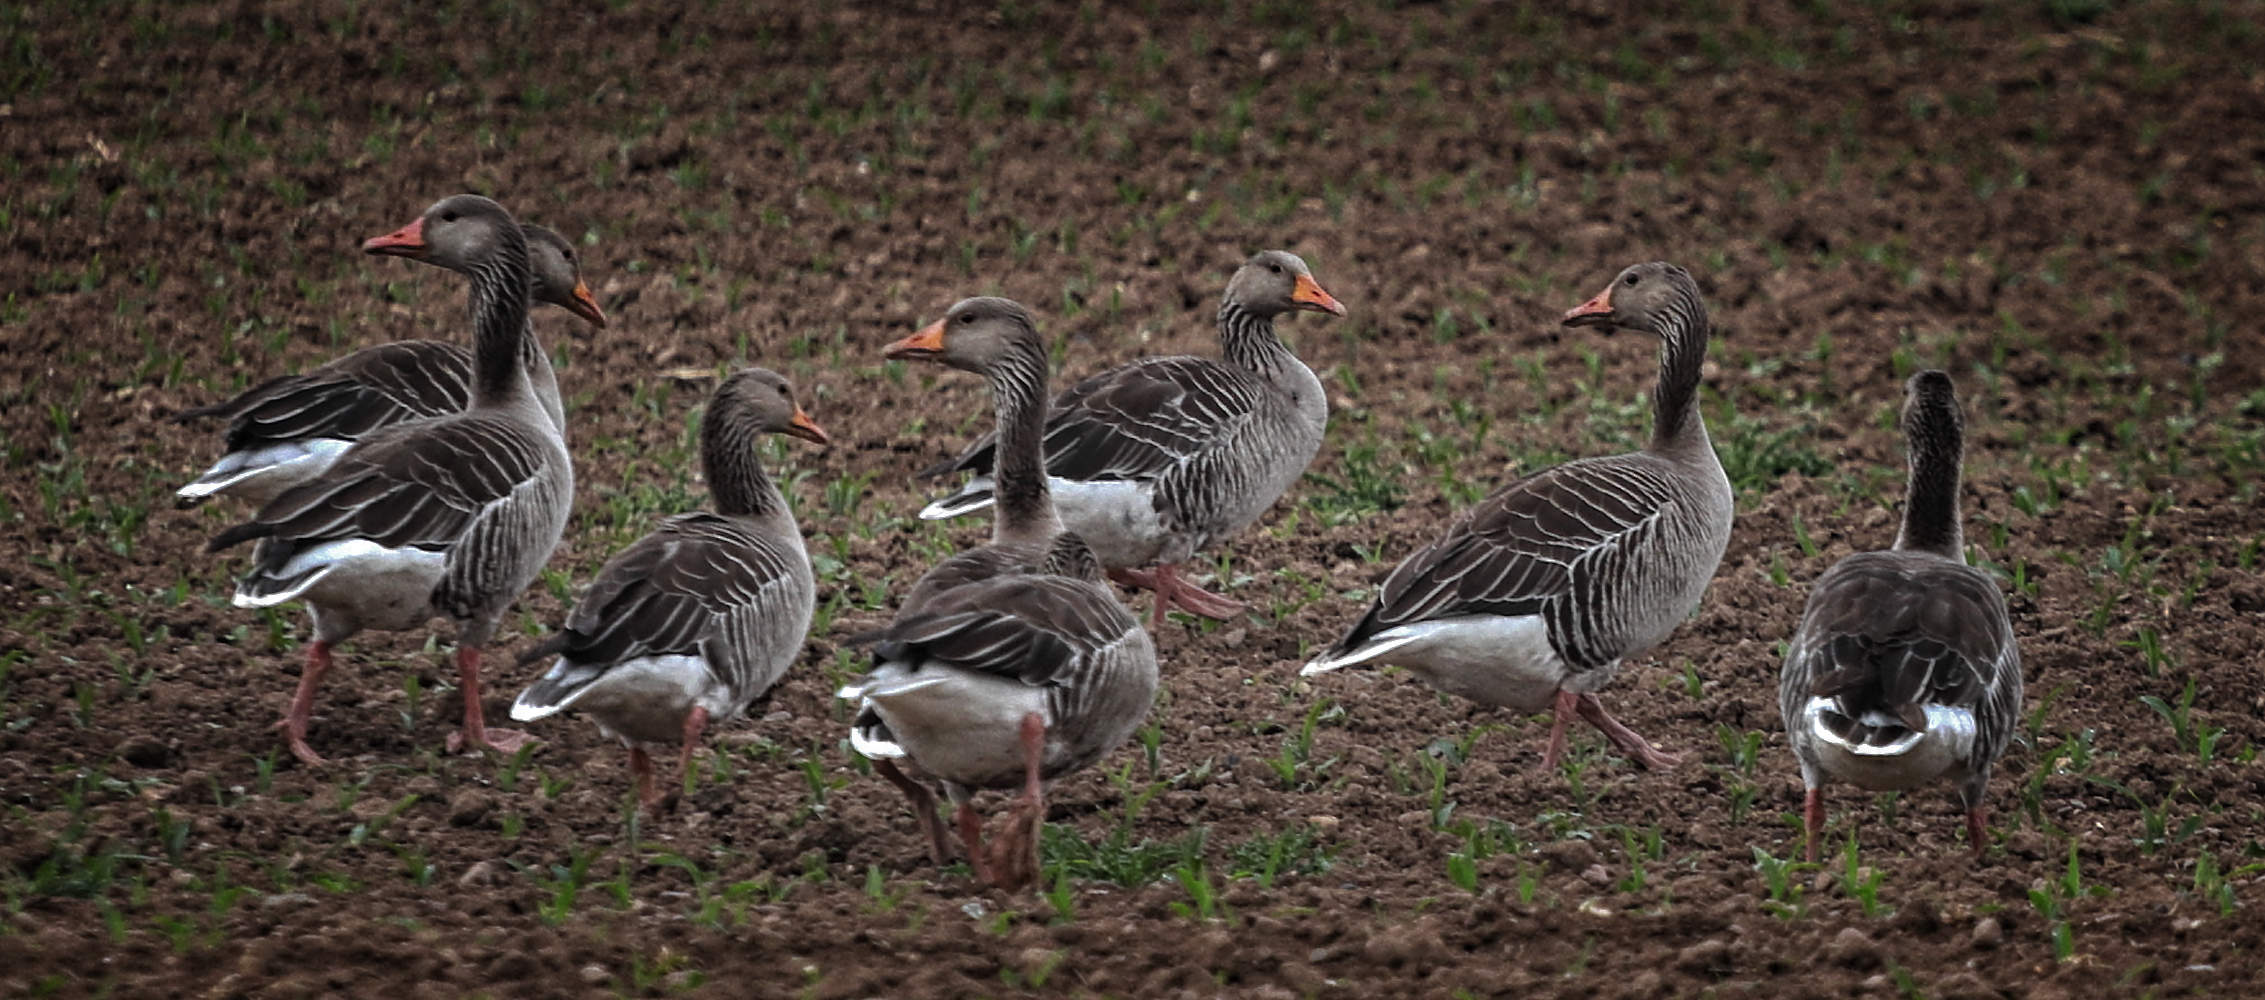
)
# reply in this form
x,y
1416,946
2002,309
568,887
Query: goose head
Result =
x,y
1274,282
558,275
1654,298
459,232
763,400
980,335
1932,421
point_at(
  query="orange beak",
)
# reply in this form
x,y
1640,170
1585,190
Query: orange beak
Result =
x,y
1595,312
927,344
407,241
585,305
807,429
1308,294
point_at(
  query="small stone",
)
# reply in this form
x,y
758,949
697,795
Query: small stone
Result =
x,y
480,875
1852,949
145,751
1988,933
469,807
595,974
1707,957
1596,875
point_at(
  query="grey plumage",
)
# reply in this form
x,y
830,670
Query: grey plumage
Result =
x,y
1160,458
1009,663
1905,669
706,613
452,515
1535,596
287,430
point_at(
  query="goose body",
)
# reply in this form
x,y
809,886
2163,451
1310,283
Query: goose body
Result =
x,y
1905,670
447,516
1158,459
1013,663
1533,598
690,624
287,430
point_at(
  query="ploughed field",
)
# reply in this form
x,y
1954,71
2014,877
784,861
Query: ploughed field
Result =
x,y
2058,203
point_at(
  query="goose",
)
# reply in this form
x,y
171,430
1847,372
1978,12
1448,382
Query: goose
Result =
x,y
1153,461
1904,670
1534,597
448,516
1014,663
288,429
691,623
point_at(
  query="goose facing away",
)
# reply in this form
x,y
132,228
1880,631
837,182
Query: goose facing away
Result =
x,y
1905,670
450,516
1535,596
1011,664
1153,461
691,623
288,429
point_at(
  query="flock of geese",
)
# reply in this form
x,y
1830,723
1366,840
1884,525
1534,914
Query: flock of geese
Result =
x,y
416,479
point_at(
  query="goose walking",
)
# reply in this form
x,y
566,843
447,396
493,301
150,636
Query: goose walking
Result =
x,y
1156,460
448,516
691,623
1011,664
1536,595
1905,670
288,429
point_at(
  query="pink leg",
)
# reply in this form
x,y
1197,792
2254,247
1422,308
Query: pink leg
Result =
x,y
923,810
695,723
1813,819
1174,591
641,765
476,733
1554,750
1014,859
1624,737
971,837
294,724
1977,829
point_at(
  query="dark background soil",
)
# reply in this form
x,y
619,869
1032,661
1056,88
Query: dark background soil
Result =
x,y
2057,202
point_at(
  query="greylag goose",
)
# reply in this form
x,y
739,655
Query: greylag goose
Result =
x,y
452,515
1010,664
1153,461
1536,595
691,623
288,429
1904,670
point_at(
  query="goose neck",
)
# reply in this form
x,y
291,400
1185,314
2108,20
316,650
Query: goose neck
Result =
x,y
1018,393
1249,340
736,481
500,329
1676,422
1931,520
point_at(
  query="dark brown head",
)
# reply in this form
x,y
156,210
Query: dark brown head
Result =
x,y
978,335
1274,282
764,401
558,275
1653,298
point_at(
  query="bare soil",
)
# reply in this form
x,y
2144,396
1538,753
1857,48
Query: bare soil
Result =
x,y
2057,202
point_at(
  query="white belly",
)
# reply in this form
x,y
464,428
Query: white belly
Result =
x,y
1490,659
262,474
645,700
957,725
1116,518
361,582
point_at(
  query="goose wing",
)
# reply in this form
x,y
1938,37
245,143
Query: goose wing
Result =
x,y
349,398
668,592
1898,631
1137,421
1536,546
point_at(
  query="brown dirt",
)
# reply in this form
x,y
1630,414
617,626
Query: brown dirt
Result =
x,y
2063,212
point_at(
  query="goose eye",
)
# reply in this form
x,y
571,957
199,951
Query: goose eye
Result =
x,y
1634,280
1276,268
